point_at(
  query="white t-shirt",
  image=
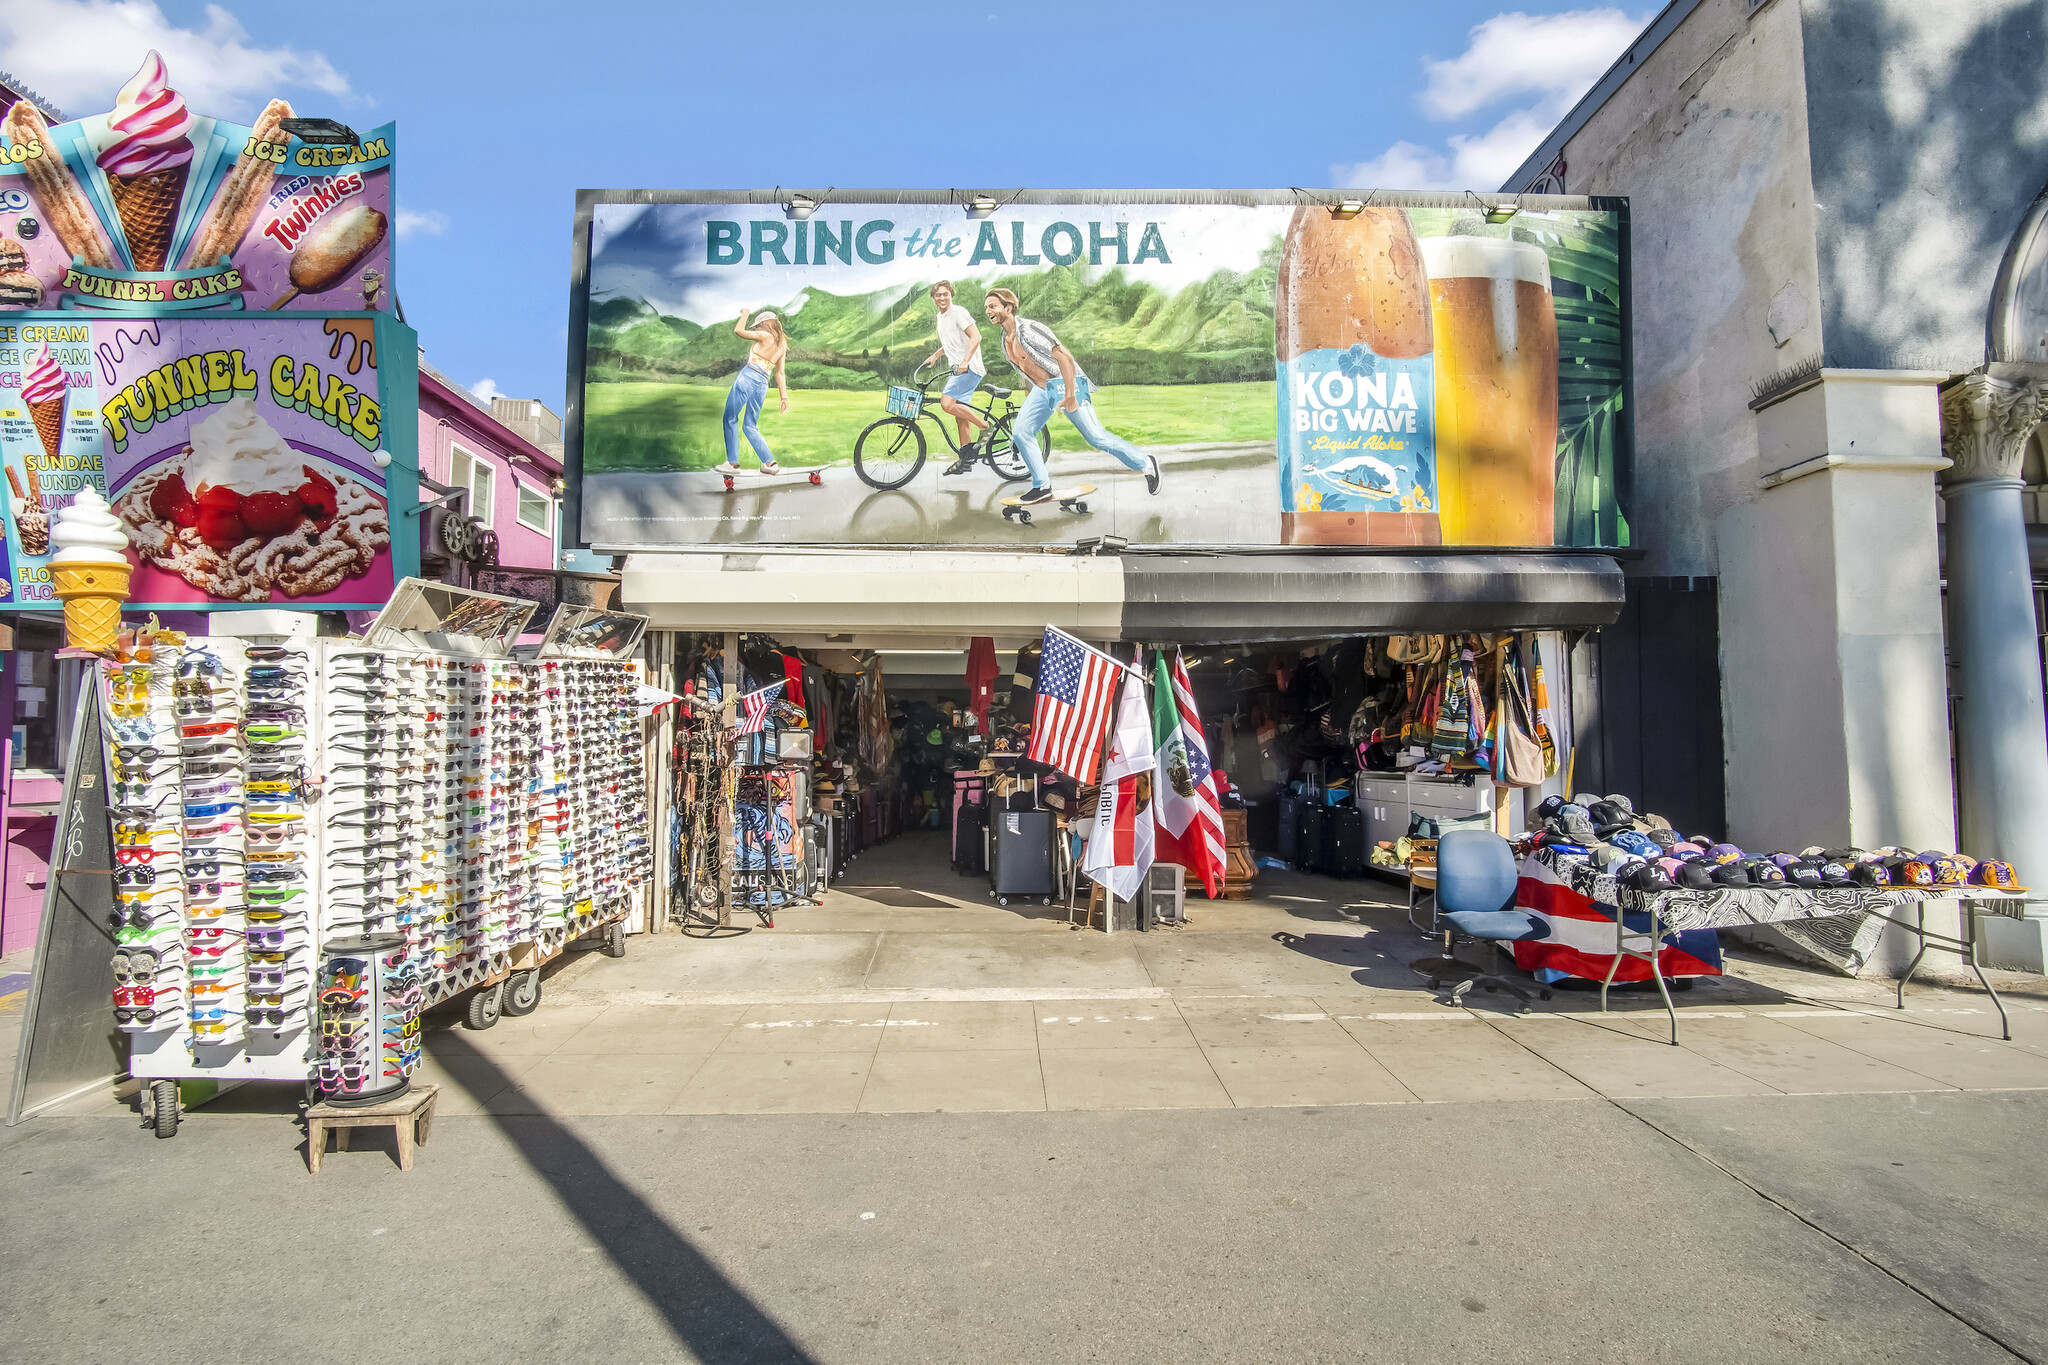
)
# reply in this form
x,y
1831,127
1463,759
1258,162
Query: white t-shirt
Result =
x,y
954,324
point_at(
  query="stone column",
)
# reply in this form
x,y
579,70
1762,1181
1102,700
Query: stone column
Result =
x,y
1995,662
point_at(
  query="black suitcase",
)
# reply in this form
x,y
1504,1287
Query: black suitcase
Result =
x,y
969,854
1290,828
1344,841
1020,853
1308,836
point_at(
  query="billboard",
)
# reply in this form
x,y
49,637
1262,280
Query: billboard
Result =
x,y
150,208
1212,368
238,449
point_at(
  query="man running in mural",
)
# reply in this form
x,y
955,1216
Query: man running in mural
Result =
x,y
1056,382
960,344
750,389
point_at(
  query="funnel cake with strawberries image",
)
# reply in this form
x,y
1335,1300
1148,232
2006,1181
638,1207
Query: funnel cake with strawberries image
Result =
x,y
240,514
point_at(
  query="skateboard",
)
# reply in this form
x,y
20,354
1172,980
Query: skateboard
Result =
x,y
815,476
1073,499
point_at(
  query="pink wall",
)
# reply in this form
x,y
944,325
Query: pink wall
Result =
x,y
447,419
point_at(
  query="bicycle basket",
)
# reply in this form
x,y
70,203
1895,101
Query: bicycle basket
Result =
x,y
905,402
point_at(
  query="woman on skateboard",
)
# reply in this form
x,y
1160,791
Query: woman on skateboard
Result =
x,y
750,390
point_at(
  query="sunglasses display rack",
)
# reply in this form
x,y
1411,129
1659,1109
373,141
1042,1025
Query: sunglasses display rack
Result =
x,y
207,753
369,1041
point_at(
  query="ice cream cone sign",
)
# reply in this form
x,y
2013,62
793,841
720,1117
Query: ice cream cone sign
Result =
x,y
91,571
147,156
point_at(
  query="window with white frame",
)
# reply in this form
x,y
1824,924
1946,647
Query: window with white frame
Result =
x,y
536,509
467,471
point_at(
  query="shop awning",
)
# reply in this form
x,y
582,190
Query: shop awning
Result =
x,y
899,594
1227,598
860,598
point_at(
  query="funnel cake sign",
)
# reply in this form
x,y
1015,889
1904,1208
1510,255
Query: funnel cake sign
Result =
x,y
239,453
150,208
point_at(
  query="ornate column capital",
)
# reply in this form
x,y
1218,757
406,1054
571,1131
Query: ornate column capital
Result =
x,y
1985,422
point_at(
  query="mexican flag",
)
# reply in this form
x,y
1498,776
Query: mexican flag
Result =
x,y
1120,844
1186,815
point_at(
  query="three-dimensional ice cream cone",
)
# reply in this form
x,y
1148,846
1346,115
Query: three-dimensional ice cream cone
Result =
x,y
92,595
90,571
148,205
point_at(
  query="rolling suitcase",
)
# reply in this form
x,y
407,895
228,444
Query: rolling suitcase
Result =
x,y
1020,854
968,848
1344,841
1290,843
1308,836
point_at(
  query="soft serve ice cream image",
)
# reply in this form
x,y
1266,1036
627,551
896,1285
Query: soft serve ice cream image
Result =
x,y
147,155
90,569
239,513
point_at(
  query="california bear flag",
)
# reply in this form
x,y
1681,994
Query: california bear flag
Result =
x,y
1120,844
1187,817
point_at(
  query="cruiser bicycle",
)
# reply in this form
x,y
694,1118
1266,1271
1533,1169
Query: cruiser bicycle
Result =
x,y
891,451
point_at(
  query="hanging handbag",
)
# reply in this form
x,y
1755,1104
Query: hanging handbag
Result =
x,y
1539,705
1517,757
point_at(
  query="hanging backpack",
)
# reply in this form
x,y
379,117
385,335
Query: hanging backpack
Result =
x,y
1517,757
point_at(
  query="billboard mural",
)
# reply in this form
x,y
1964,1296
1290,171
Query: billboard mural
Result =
x,y
1411,370
150,208
239,450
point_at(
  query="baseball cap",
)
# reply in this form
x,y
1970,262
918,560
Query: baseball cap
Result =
x,y
1663,836
1950,871
1729,874
1912,872
1583,800
1696,876
1803,874
1572,822
1621,803
1833,873
1872,874
1646,877
1723,853
1549,806
1609,818
1688,850
1609,858
1671,867
1764,872
1997,874
1635,843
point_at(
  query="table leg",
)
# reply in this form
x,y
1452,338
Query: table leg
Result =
x,y
341,1137
1920,932
1615,965
1970,928
401,1133
1657,971
316,1145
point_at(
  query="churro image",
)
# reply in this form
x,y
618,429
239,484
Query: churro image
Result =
x,y
241,195
57,190
31,519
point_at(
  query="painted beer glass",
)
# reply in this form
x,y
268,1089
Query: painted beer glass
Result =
x,y
1496,390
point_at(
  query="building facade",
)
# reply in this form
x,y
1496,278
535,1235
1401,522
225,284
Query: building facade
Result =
x,y
499,486
1838,349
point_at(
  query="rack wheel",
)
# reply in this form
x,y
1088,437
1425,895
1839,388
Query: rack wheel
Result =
x,y
1045,900
817,478
484,1007
1002,900
615,939
163,1097
522,994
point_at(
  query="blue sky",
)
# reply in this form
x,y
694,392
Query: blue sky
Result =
x,y
506,109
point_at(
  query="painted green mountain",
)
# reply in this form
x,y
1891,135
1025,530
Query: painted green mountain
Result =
x,y
1123,331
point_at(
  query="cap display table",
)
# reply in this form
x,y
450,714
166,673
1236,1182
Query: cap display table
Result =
x,y
1546,873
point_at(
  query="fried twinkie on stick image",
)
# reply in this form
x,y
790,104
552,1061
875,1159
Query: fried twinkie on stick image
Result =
x,y
63,201
241,194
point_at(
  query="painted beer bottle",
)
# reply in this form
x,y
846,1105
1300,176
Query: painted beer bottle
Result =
x,y
1355,384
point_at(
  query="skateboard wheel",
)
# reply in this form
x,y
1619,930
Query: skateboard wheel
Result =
x,y
816,477
728,483
1080,507
1024,517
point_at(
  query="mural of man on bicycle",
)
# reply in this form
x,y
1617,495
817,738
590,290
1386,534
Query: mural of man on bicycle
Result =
x,y
960,347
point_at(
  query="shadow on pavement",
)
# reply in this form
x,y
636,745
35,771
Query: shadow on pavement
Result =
x,y
707,1313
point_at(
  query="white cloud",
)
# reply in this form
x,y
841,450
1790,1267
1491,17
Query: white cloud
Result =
x,y
1556,57
424,222
1553,55
487,389
77,53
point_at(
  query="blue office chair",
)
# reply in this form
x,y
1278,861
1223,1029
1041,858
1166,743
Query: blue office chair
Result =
x,y
1475,895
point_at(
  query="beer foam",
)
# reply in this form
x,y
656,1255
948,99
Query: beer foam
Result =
x,y
1486,258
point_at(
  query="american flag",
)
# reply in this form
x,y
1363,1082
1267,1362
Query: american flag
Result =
x,y
754,709
1076,685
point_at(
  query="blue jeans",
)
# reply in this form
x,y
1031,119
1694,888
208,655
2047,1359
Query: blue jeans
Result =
x,y
743,410
1038,410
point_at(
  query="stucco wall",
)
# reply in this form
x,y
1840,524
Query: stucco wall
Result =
x,y
446,424
1708,140
1931,139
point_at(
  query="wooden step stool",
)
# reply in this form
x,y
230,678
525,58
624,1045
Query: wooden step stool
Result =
x,y
409,1116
